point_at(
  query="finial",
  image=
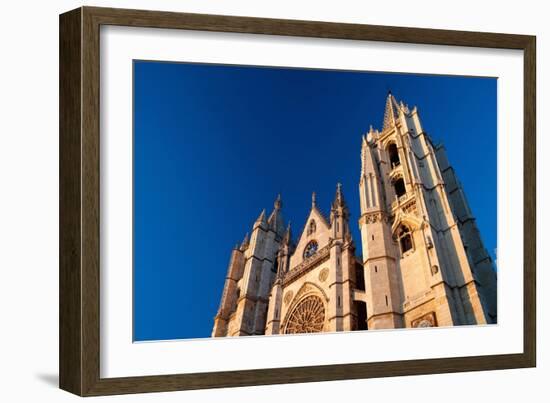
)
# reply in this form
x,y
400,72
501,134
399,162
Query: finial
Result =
x,y
278,202
313,199
339,198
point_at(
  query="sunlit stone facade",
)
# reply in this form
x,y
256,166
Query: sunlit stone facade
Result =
x,y
423,262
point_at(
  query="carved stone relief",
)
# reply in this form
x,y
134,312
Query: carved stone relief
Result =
x,y
288,297
323,275
427,320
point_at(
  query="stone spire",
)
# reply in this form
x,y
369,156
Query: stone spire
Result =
x,y
339,215
390,113
364,151
283,254
370,184
261,220
275,219
339,198
287,238
278,202
316,208
368,162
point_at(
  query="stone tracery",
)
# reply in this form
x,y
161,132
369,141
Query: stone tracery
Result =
x,y
307,317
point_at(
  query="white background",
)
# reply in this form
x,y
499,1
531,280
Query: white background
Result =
x,y
29,198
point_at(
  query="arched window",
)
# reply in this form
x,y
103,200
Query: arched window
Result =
x,y
310,249
312,227
394,155
404,238
399,187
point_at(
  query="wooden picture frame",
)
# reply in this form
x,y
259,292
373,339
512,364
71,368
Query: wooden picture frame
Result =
x,y
80,187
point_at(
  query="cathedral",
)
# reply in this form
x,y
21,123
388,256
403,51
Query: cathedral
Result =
x,y
423,263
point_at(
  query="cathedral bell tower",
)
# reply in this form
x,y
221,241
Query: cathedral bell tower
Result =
x,y
250,276
379,255
418,269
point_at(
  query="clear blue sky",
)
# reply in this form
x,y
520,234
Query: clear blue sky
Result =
x,y
213,145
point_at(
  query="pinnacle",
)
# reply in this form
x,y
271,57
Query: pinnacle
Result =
x,y
339,195
278,202
339,198
390,113
261,217
288,235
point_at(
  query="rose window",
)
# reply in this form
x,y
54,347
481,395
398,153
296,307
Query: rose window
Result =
x,y
307,317
310,249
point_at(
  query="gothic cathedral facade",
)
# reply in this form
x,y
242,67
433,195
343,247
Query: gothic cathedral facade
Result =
x,y
423,262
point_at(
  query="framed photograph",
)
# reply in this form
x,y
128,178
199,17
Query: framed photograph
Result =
x,y
249,201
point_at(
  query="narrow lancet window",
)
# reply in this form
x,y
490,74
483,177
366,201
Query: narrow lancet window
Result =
x,y
394,156
405,239
399,187
312,227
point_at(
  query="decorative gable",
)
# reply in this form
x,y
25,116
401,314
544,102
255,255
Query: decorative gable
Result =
x,y
315,235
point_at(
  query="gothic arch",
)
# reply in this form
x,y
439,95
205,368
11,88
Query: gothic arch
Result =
x,y
389,140
307,288
405,239
398,184
407,219
393,154
321,224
